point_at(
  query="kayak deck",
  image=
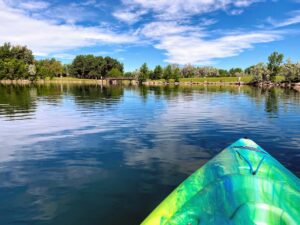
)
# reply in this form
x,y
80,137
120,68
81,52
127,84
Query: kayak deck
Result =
x,y
241,185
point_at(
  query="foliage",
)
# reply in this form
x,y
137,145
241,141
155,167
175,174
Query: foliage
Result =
x,y
17,62
260,72
143,73
208,71
167,73
13,69
223,73
157,73
114,72
129,74
291,71
275,60
176,74
7,51
90,66
188,71
48,68
236,72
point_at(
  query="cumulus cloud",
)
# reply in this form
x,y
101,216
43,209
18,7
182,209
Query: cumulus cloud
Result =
x,y
174,31
45,38
185,44
180,28
188,49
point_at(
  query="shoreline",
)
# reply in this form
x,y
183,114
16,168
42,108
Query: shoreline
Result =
x,y
191,82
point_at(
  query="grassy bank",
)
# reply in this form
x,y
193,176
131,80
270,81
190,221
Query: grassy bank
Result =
x,y
196,80
245,79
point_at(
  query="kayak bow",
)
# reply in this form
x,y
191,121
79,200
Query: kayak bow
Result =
x,y
241,185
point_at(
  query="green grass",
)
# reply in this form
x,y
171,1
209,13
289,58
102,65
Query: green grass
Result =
x,y
210,79
70,79
245,79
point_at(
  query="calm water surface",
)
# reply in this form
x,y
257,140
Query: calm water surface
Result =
x,y
75,154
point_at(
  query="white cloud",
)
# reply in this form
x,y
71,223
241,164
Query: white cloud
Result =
x,y
294,19
166,9
161,29
128,16
183,40
184,50
45,38
34,5
185,44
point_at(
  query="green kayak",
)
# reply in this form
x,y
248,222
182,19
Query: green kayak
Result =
x,y
241,185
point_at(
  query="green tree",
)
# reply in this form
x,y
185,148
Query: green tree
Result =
x,y
234,72
291,71
89,66
157,73
115,73
128,74
176,74
260,72
48,68
22,53
223,73
13,69
144,73
168,73
275,60
5,51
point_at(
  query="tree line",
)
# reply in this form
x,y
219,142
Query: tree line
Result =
x,y
261,72
18,62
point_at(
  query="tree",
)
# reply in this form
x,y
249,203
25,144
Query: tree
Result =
x,y
5,51
109,64
13,69
144,72
209,71
188,71
176,74
223,73
157,73
129,74
275,60
115,73
48,68
235,72
291,71
260,72
22,53
168,73
89,66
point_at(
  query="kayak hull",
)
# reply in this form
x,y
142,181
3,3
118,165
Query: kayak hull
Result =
x,y
241,185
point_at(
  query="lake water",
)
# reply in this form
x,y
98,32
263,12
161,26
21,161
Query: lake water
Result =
x,y
80,154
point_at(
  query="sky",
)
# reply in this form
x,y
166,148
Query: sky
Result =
x,y
220,33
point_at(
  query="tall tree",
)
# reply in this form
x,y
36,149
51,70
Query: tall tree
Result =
x,y
144,72
260,72
168,73
235,72
275,60
157,73
291,71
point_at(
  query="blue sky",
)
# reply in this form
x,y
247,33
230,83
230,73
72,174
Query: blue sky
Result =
x,y
227,33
